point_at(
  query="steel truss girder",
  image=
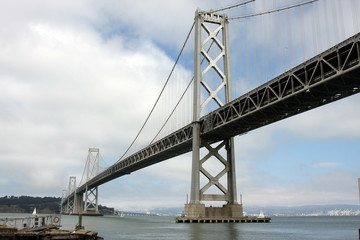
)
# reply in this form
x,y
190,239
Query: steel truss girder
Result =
x,y
172,145
328,77
251,110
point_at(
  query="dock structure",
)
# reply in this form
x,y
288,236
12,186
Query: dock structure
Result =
x,y
42,228
225,214
31,222
48,234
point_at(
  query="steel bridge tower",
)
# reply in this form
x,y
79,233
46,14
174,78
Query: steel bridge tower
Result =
x,y
74,202
62,203
92,169
212,29
71,188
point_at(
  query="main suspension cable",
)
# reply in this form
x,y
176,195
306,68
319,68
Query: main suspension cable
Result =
x,y
172,112
83,174
162,90
232,6
182,96
274,10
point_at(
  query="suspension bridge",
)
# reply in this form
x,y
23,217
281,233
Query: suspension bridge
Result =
x,y
217,118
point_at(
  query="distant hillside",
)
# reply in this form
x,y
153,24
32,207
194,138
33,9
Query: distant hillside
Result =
x,y
47,205
274,210
26,204
298,210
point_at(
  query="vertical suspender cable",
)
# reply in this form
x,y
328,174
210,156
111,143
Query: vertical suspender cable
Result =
x,y
263,54
290,48
255,50
336,28
338,5
177,104
314,31
162,90
247,79
328,33
355,13
302,34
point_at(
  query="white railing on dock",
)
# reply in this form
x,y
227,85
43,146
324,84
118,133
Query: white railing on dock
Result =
x,y
32,221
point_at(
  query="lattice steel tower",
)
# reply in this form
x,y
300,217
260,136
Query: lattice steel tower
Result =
x,y
92,169
71,188
212,87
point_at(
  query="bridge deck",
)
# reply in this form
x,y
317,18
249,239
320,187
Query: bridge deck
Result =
x,y
329,76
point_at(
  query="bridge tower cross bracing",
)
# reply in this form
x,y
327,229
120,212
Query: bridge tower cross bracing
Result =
x,y
92,169
71,201
63,199
212,25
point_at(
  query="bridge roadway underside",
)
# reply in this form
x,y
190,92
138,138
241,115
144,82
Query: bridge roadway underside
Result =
x,y
329,76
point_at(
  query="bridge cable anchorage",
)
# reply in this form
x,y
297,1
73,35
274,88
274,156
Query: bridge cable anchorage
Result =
x,y
274,10
232,6
161,92
182,96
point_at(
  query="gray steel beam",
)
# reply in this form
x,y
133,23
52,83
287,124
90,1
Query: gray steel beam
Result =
x,y
330,76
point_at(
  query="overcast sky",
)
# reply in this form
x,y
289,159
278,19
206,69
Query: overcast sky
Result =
x,y
81,74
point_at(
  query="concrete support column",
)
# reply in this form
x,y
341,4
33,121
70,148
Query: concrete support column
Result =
x,y
78,203
194,210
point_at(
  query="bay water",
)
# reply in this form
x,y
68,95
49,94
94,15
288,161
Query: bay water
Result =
x,y
164,227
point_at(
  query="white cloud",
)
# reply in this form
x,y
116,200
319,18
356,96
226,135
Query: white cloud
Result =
x,y
326,164
75,75
329,188
64,89
153,19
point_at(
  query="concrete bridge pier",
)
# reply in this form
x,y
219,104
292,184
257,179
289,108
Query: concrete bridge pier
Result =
x,y
227,211
78,203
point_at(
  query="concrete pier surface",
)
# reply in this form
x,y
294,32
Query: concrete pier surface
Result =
x,y
228,213
223,220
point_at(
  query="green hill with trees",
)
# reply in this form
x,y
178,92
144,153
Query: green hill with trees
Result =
x,y
26,204
46,205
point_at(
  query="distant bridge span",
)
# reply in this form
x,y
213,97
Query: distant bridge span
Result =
x,y
327,77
